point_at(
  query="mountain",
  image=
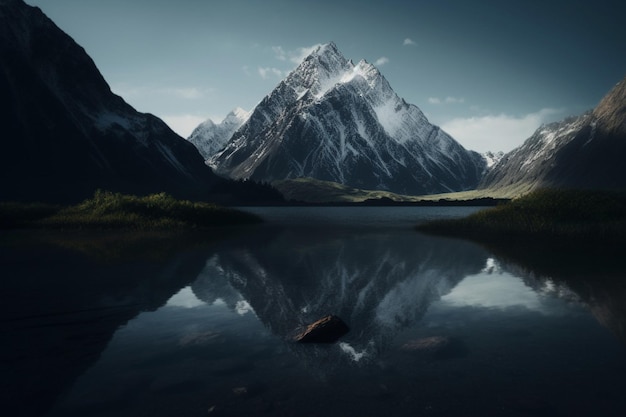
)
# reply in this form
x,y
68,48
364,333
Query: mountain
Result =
x,y
377,282
210,137
584,151
335,121
492,158
65,134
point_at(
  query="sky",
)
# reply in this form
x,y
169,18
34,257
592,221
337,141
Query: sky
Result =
x,y
488,72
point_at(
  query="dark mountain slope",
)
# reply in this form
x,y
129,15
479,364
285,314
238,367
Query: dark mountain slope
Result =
x,y
65,134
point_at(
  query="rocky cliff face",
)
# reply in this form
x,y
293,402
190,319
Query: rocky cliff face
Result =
x,y
333,120
65,134
585,151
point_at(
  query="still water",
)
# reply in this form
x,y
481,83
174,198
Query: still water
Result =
x,y
178,326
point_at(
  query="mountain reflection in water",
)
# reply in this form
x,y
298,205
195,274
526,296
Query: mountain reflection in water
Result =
x,y
437,327
379,283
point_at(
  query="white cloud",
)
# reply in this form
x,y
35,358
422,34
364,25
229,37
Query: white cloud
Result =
x,y
381,61
408,41
265,72
455,100
190,93
499,132
447,100
295,56
280,53
298,55
184,124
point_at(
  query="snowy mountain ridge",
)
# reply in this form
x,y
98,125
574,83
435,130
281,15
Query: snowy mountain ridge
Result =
x,y
534,159
209,137
332,120
492,158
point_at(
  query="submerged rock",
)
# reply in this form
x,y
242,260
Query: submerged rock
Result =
x,y
438,347
325,330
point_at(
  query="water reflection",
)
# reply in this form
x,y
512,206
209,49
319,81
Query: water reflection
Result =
x,y
592,274
62,299
378,283
438,327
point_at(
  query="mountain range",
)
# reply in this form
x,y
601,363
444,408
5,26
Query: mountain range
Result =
x,y
583,151
210,137
65,134
337,122
333,120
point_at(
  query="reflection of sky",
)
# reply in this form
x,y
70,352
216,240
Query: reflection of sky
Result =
x,y
495,289
492,291
184,298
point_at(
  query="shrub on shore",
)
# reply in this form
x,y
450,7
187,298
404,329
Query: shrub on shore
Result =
x,y
107,210
549,214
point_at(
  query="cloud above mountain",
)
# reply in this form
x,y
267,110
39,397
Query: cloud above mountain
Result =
x,y
295,56
447,100
381,61
266,72
497,132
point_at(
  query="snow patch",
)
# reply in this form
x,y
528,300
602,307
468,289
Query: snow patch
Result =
x,y
107,119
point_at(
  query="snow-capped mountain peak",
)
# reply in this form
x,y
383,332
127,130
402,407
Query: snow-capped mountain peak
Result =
x,y
333,120
209,137
492,158
239,114
319,71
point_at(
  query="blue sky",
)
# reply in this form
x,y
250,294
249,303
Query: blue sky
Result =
x,y
488,72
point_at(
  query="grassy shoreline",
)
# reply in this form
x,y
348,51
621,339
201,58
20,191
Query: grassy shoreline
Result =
x,y
549,214
114,211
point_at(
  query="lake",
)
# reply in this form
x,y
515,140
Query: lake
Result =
x,y
200,325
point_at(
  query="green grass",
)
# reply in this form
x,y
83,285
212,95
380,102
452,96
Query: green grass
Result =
x,y
545,214
312,190
108,210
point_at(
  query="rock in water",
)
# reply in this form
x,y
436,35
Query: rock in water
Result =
x,y
437,347
325,330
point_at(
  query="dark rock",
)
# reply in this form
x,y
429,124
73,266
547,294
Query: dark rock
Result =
x,y
324,330
438,347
